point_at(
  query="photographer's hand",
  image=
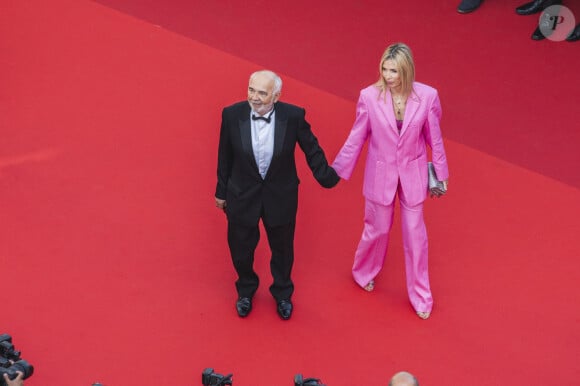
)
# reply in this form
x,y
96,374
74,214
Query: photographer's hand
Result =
x,y
18,381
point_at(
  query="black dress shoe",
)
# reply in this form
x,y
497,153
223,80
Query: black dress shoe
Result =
x,y
285,309
536,6
244,306
575,34
467,6
537,34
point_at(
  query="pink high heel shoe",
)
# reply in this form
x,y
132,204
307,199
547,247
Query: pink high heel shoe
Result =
x,y
423,315
370,286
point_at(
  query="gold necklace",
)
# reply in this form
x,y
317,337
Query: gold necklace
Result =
x,y
398,102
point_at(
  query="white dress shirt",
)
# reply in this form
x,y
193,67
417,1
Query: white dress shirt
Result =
x,y
263,141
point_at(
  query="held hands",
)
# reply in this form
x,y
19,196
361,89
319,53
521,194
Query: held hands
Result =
x,y
336,179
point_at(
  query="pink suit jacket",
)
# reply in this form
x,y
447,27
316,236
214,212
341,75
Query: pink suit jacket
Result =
x,y
394,157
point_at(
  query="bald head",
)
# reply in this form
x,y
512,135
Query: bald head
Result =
x,y
403,378
263,91
271,76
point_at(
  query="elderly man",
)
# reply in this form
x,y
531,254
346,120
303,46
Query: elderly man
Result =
x,y
257,179
403,378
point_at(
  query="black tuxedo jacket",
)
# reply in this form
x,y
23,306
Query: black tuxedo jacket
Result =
x,y
247,195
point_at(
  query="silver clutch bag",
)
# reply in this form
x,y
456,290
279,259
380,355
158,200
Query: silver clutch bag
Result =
x,y
436,187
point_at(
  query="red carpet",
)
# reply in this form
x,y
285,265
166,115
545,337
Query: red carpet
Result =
x,y
502,91
114,257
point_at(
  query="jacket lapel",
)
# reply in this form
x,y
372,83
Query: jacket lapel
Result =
x,y
280,126
413,104
386,106
279,130
246,136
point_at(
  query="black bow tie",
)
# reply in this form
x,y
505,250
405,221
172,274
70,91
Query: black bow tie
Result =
x,y
267,119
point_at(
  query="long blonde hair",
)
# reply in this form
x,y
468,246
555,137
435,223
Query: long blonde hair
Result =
x,y
401,54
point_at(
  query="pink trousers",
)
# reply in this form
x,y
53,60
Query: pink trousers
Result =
x,y
372,249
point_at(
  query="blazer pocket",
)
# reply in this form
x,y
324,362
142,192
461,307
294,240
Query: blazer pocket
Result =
x,y
376,181
418,157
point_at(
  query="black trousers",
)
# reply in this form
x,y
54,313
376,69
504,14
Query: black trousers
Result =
x,y
243,241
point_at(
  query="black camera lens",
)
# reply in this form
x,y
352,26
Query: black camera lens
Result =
x,y
24,367
10,362
299,380
210,378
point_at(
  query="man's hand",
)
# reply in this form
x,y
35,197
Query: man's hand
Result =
x,y
18,381
221,204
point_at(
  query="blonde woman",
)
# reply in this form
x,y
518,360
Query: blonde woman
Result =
x,y
399,118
